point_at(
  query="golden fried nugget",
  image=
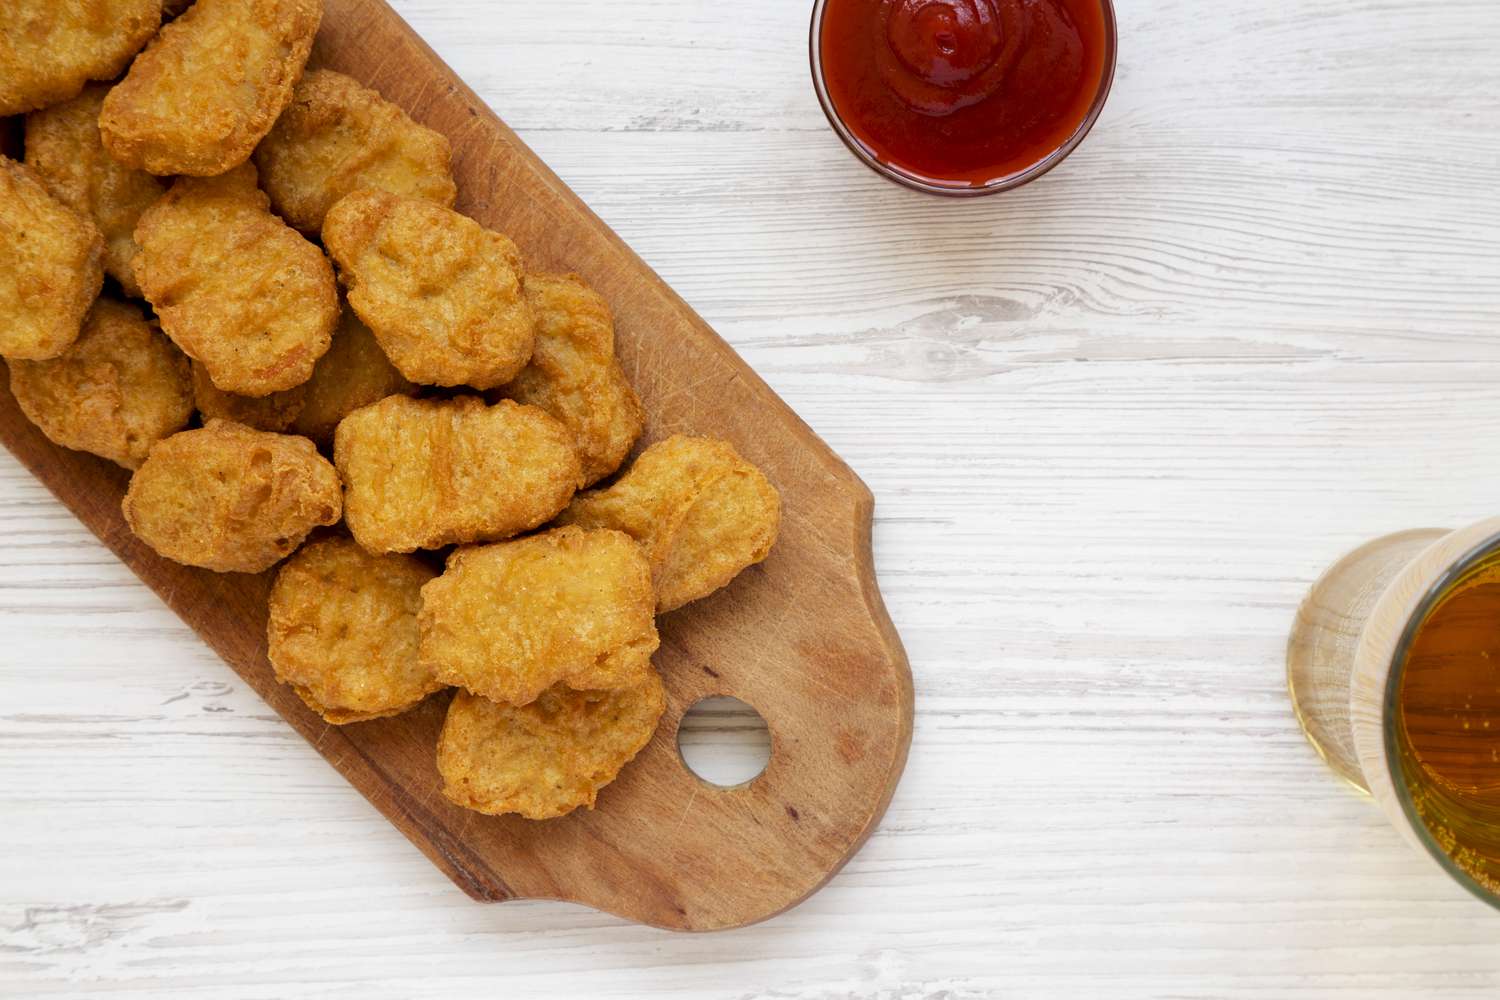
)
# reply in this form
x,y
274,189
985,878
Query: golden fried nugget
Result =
x,y
50,48
701,512
547,758
118,390
230,499
343,631
336,137
423,473
234,286
511,619
51,267
574,376
274,413
64,151
441,293
210,86
354,373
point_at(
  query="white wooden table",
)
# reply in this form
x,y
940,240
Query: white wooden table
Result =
x,y
1115,423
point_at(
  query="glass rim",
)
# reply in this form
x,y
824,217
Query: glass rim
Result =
x,y
1391,712
929,185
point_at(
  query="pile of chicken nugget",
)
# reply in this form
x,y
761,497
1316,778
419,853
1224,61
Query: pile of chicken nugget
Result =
x,y
474,411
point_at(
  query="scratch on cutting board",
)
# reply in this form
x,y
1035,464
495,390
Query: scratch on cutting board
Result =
x,y
685,810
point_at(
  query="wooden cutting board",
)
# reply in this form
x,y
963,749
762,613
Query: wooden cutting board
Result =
x,y
804,637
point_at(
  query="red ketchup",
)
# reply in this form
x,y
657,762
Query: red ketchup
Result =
x,y
964,93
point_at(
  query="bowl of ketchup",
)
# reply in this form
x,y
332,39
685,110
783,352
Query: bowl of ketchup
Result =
x,y
962,97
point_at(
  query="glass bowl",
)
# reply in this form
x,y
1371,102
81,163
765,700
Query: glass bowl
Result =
x,y
931,185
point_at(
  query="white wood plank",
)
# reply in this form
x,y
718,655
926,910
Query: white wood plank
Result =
x,y
1115,423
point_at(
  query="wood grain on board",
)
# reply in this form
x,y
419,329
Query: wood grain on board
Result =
x,y
804,637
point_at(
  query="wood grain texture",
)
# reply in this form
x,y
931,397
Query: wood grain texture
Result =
x,y
1116,423
803,636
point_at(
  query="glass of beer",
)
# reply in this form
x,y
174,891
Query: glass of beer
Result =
x,y
1394,669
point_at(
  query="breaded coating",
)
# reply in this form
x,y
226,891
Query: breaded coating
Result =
x,y
354,373
274,413
64,151
230,499
209,86
336,137
423,473
50,48
550,757
343,631
567,606
442,294
701,512
51,267
234,286
118,390
574,376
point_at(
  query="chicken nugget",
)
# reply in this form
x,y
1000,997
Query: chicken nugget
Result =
x,y
274,413
51,267
209,86
118,390
354,373
423,473
442,294
336,137
50,48
230,499
574,376
545,759
234,286
701,512
567,606
64,151
343,631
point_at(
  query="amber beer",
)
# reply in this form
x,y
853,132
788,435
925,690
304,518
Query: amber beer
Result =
x,y
1394,670
1448,716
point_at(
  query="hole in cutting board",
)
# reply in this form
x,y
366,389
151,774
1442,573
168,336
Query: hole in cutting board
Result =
x,y
724,741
